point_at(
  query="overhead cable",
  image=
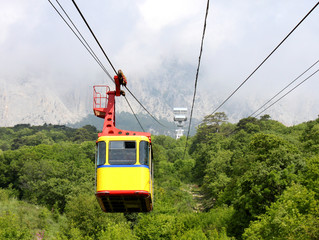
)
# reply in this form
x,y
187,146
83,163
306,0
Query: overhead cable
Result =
x,y
93,54
265,59
283,89
97,41
134,114
196,78
89,49
96,57
83,41
288,92
145,108
251,115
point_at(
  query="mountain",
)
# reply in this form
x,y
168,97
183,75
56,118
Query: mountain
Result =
x,y
34,100
27,101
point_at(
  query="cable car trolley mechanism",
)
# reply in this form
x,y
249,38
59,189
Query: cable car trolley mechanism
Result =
x,y
123,158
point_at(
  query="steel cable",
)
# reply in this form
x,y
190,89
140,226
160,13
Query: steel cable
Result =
x,y
196,78
265,59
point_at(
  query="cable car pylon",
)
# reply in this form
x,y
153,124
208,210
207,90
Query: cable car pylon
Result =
x,y
180,118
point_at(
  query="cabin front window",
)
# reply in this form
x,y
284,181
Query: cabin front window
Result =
x,y
100,153
122,152
144,153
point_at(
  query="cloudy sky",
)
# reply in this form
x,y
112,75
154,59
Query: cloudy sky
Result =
x,y
140,36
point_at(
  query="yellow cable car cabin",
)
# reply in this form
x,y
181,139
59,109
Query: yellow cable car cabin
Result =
x,y
124,182
123,159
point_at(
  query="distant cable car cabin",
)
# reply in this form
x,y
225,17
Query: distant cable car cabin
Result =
x,y
123,158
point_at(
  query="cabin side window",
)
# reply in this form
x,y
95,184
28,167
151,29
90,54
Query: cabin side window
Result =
x,y
144,153
100,153
122,152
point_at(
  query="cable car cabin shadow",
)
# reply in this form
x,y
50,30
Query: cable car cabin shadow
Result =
x,y
124,177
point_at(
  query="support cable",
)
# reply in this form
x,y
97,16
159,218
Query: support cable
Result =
x,y
196,78
134,113
83,41
279,93
89,49
146,109
97,41
288,92
283,89
110,61
265,59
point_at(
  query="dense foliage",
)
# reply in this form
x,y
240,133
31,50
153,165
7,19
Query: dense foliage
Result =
x,y
256,179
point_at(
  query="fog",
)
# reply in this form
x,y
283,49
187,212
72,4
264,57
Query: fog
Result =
x,y
142,37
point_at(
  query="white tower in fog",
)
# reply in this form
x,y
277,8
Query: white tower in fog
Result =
x,y
180,118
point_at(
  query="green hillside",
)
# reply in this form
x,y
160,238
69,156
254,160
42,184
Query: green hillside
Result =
x,y
256,179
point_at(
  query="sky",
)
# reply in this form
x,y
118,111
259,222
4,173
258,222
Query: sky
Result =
x,y
141,37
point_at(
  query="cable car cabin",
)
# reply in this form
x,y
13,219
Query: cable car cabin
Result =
x,y
123,158
124,177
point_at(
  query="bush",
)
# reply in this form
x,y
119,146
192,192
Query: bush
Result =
x,y
294,216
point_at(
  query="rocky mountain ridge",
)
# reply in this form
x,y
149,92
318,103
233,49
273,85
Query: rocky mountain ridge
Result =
x,y
27,101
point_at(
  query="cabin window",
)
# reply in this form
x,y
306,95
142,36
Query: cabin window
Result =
x,y
122,152
100,153
144,153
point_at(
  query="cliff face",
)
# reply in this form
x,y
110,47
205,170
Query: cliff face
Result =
x,y
29,102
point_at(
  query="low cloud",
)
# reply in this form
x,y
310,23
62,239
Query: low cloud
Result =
x,y
141,36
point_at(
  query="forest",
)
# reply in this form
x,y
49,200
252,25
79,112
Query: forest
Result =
x,y
255,179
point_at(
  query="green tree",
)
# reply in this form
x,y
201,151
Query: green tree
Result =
x,y
84,134
260,174
12,228
211,124
195,234
265,117
84,213
249,125
159,226
48,174
120,231
310,137
310,175
217,176
295,215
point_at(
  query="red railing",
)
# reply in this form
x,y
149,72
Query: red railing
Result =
x,y
100,96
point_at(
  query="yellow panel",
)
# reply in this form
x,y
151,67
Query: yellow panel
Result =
x,y
123,178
